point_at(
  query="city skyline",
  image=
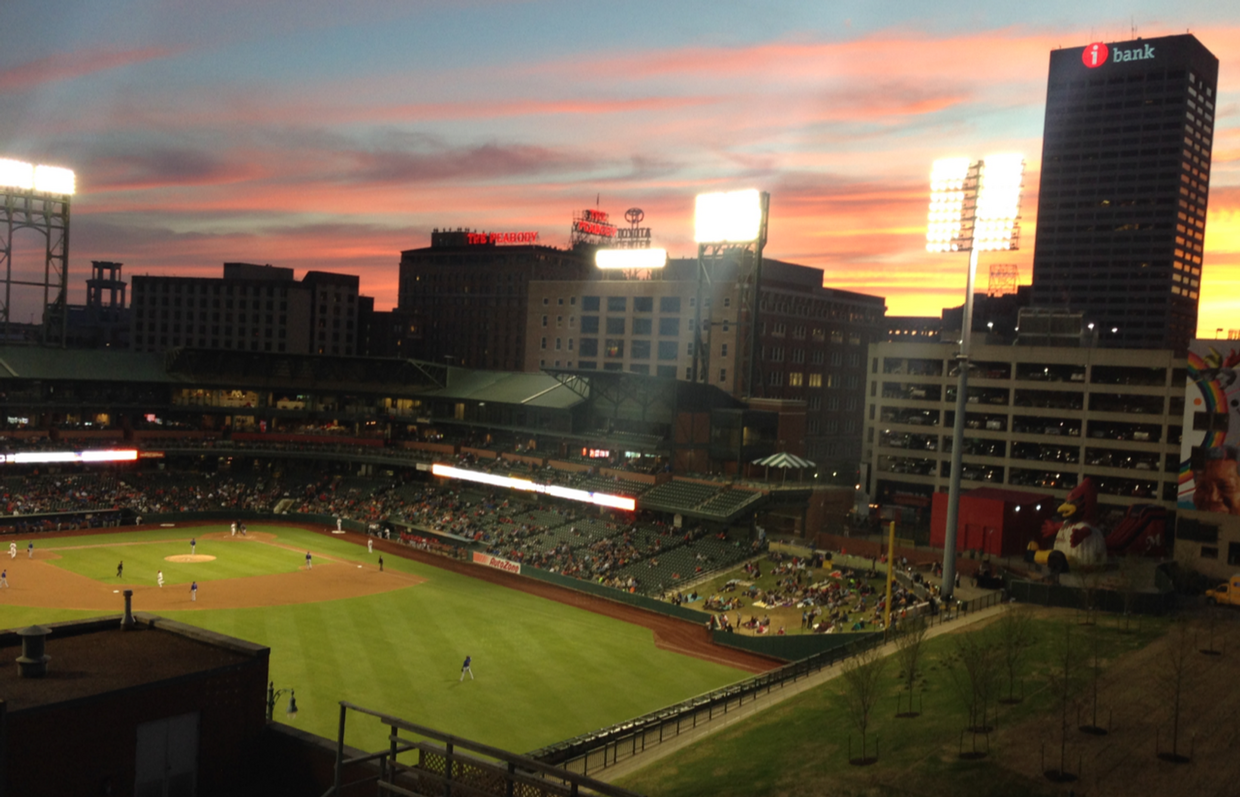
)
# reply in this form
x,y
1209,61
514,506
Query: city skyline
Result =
x,y
333,138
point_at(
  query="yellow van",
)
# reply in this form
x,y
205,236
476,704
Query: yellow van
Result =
x,y
1225,594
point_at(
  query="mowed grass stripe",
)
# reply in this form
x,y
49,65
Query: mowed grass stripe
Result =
x,y
545,671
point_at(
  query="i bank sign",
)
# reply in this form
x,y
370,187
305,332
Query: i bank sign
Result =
x,y
1097,54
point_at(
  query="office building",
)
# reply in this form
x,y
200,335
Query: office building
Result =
x,y
251,308
464,299
811,340
1124,187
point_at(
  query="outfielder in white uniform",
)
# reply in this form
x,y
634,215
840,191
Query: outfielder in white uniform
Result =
x,y
370,547
159,579
12,550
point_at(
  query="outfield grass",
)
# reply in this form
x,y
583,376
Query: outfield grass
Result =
x,y
801,746
545,671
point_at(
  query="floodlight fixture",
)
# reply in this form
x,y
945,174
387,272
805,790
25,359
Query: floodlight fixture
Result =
x,y
630,259
16,174
975,206
727,217
29,177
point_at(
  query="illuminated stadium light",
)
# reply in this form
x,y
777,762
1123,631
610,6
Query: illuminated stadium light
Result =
x,y
27,177
15,174
555,491
54,180
41,457
727,217
974,207
630,259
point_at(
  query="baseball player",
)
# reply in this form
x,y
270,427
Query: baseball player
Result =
x,y
193,544
193,591
308,565
338,522
4,578
159,579
120,568
465,668
12,550
370,545
380,563
234,528
30,550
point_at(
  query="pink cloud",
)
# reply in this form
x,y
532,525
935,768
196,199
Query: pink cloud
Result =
x,y
65,66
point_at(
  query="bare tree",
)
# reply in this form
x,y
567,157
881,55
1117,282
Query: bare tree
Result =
x,y
862,675
1064,677
1014,630
1094,643
1174,674
1209,624
1129,569
1089,597
908,655
976,679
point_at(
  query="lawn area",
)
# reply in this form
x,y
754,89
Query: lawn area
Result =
x,y
544,671
801,747
788,617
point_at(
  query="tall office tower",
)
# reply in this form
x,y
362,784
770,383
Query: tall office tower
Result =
x,y
1125,179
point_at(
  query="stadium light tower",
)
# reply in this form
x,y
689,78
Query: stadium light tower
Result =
x,y
736,221
974,207
37,197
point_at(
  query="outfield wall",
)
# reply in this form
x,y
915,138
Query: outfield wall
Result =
x,y
611,593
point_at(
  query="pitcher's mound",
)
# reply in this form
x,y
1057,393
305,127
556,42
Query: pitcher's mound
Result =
x,y
189,557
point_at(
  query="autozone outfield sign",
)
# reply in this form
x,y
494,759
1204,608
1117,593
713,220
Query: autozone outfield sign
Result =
x,y
1098,53
494,561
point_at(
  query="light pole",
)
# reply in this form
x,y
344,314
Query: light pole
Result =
x,y
273,695
974,207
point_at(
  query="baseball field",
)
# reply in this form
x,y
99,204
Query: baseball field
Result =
x,y
545,669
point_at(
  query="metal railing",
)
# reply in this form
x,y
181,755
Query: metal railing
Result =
x,y
451,766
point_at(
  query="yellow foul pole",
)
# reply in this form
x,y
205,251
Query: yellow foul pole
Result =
x,y
891,563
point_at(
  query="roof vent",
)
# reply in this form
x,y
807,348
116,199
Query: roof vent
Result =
x,y
33,661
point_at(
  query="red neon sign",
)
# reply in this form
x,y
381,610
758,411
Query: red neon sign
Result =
x,y
595,215
508,238
593,228
1095,55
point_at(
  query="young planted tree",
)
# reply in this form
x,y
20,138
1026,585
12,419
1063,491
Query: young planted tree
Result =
x,y
908,656
1209,625
1094,646
1129,585
975,679
1014,635
862,676
1064,678
1175,673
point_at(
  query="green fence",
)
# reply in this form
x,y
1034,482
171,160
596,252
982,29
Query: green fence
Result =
x,y
618,595
1040,594
788,648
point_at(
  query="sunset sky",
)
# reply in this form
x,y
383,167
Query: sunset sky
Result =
x,y
328,135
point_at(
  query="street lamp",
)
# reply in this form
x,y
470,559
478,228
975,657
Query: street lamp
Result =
x,y
273,695
974,207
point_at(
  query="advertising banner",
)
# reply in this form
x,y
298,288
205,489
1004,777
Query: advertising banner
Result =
x,y
494,561
1209,480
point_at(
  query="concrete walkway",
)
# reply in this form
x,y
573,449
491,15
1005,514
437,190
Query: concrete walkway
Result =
x,y
652,754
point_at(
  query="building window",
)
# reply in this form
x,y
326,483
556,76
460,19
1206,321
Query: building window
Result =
x,y
589,304
643,304
723,374
589,324
815,380
615,326
1209,552
559,321
557,343
667,350
614,348
669,304
642,326
544,343
669,326
639,350
617,304
794,379
544,321
775,379
723,350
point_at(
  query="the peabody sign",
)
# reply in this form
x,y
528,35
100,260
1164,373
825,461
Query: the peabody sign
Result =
x,y
501,238
496,562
